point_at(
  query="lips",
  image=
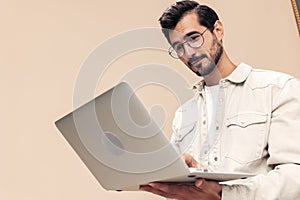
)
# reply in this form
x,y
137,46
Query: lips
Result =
x,y
196,61
193,61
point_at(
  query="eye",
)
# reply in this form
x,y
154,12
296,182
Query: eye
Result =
x,y
194,37
178,47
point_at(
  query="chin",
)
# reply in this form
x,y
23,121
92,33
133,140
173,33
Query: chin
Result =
x,y
206,70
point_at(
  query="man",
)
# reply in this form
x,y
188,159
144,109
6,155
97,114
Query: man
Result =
x,y
241,119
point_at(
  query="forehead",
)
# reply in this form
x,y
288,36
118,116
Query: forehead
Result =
x,y
186,25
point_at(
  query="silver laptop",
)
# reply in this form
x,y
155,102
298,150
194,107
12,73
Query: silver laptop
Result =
x,y
123,147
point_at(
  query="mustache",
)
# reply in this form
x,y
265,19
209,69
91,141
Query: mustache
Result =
x,y
195,58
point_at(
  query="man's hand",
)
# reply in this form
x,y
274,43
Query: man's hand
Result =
x,y
191,162
203,189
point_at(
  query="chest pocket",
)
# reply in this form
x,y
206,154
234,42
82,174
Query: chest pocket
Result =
x,y
246,136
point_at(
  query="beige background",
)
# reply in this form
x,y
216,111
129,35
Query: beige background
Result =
x,y
42,46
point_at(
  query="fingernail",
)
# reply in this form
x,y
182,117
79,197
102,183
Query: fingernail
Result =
x,y
199,183
152,184
142,188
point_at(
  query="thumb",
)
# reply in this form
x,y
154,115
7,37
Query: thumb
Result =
x,y
200,183
191,162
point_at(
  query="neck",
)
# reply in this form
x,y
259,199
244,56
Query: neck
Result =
x,y
222,70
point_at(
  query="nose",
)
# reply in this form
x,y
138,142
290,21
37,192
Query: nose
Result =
x,y
189,51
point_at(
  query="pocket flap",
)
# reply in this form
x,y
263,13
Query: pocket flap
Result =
x,y
246,119
184,130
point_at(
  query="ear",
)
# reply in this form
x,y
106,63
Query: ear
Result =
x,y
219,30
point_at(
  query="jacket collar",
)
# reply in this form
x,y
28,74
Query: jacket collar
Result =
x,y
239,75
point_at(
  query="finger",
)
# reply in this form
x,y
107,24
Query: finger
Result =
x,y
167,188
175,189
148,188
211,186
204,184
190,161
200,183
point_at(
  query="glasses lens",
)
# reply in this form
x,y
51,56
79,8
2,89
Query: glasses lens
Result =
x,y
195,40
173,53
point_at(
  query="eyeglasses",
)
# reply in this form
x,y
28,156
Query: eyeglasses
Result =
x,y
195,41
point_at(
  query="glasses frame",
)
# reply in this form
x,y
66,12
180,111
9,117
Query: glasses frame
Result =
x,y
171,50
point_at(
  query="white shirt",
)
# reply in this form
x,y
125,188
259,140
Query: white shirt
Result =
x,y
211,96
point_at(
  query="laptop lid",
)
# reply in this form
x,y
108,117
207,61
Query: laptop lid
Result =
x,y
119,142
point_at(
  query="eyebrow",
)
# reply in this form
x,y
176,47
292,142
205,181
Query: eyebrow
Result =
x,y
185,36
190,33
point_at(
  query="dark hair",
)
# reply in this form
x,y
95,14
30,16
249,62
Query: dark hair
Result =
x,y
172,15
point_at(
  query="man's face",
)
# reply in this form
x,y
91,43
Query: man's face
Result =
x,y
203,60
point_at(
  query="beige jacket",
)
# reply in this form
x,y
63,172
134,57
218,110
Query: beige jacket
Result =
x,y
257,131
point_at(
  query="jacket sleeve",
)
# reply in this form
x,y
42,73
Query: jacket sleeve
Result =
x,y
283,180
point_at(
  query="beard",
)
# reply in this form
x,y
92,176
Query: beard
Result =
x,y
208,62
